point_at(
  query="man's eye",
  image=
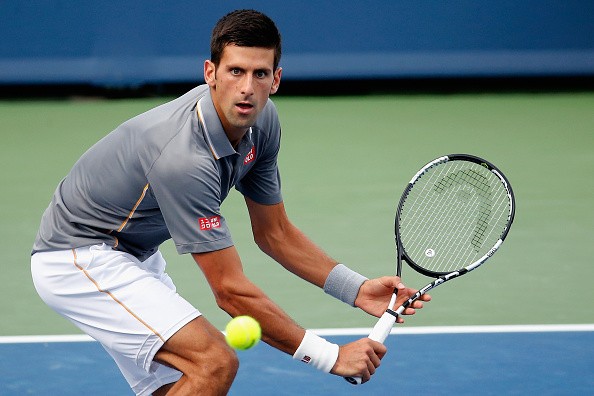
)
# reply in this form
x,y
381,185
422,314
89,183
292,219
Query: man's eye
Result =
x,y
235,72
261,74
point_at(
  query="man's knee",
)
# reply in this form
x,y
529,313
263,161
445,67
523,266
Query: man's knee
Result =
x,y
224,361
216,369
200,352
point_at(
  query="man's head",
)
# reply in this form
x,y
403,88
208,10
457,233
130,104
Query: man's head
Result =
x,y
243,71
245,28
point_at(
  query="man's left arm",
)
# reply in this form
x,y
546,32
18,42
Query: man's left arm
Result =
x,y
276,236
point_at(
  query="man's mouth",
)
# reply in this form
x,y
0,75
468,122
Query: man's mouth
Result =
x,y
245,106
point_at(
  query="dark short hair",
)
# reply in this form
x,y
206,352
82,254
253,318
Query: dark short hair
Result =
x,y
245,28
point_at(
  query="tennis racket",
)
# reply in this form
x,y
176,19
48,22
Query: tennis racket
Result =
x,y
452,217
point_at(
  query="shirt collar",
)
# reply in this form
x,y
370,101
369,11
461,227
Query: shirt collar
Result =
x,y
213,129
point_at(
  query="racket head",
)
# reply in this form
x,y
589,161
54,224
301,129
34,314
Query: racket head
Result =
x,y
453,215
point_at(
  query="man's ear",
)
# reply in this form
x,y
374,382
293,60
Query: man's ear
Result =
x,y
276,80
210,72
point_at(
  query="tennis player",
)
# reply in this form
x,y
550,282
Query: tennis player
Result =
x,y
164,174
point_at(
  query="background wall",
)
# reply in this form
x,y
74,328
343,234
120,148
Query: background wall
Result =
x,y
135,42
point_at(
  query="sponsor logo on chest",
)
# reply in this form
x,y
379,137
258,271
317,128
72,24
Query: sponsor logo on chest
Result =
x,y
250,156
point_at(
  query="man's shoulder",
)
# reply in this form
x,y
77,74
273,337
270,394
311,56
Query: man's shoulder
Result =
x,y
171,112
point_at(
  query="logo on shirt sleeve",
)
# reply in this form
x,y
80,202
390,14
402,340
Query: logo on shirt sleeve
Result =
x,y
250,156
208,223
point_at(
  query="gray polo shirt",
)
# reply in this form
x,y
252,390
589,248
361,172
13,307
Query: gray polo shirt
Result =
x,y
161,175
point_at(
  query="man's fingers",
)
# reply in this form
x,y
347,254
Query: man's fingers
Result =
x,y
379,350
374,362
375,355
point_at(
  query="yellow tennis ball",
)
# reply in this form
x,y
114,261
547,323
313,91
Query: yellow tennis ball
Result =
x,y
243,332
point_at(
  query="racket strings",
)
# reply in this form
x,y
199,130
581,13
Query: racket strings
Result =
x,y
458,203
449,202
482,236
452,215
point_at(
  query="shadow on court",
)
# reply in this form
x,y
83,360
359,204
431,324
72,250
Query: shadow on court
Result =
x,y
545,363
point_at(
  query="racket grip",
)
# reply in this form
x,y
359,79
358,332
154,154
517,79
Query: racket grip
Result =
x,y
379,333
382,328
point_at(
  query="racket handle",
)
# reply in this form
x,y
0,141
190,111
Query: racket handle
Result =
x,y
380,332
382,328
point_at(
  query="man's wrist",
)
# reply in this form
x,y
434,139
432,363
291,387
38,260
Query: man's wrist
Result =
x,y
317,352
344,284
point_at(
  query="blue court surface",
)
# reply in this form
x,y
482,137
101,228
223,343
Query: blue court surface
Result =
x,y
488,360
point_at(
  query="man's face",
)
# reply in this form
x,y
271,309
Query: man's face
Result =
x,y
240,86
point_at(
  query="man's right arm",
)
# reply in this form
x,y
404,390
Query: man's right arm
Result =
x,y
237,295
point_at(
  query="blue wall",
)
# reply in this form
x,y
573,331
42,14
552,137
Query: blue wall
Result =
x,y
131,42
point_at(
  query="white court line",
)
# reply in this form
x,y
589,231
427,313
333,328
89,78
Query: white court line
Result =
x,y
362,331
463,329
45,338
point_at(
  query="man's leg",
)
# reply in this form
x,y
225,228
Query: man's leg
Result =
x,y
133,310
200,352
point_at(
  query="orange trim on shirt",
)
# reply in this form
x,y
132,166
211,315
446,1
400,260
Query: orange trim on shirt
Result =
x,y
201,119
134,208
113,297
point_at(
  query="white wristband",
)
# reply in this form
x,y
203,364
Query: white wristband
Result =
x,y
317,351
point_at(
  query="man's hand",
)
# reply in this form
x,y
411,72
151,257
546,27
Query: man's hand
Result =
x,y
374,296
359,359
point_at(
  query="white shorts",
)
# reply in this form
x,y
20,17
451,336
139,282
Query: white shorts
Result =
x,y
130,307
